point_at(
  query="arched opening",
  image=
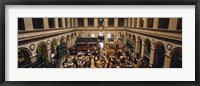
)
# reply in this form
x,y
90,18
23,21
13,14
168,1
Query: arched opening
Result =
x,y
62,40
24,60
41,55
159,55
147,50
133,38
53,47
139,45
176,58
129,35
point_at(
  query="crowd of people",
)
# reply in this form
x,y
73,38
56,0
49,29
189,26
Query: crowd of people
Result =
x,y
112,56
80,61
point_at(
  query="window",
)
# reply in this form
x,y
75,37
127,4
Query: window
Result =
x,y
21,24
120,22
37,23
179,24
74,22
51,22
71,22
163,23
66,22
80,22
126,21
91,22
150,23
141,22
60,22
135,22
130,22
111,22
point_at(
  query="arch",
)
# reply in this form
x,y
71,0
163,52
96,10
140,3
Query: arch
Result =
x,y
42,54
159,55
147,46
176,58
67,37
75,34
139,44
62,39
72,35
133,38
42,43
129,35
53,46
147,50
25,49
24,59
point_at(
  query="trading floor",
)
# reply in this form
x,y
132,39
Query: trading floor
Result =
x,y
112,56
99,42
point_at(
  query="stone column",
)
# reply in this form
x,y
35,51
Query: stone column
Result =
x,y
125,22
28,23
73,41
152,56
133,22
68,22
85,22
46,23
167,61
63,22
70,42
56,23
155,23
142,51
76,22
173,23
145,23
136,46
106,22
49,54
116,22
105,38
129,22
95,22
33,58
138,23
67,43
